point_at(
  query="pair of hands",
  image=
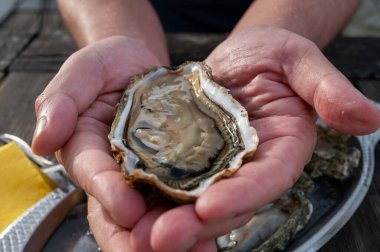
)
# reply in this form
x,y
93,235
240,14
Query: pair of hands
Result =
x,y
279,77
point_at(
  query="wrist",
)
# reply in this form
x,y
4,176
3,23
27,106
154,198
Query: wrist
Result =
x,y
318,21
90,21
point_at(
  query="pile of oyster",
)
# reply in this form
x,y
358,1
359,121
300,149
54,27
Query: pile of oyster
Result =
x,y
179,131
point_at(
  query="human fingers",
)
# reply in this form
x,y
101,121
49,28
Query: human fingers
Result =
x,y
141,232
286,146
302,66
101,68
87,159
181,229
58,107
204,246
108,235
334,98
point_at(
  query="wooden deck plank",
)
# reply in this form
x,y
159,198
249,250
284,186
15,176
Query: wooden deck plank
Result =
x,y
25,21
17,95
15,34
12,42
49,50
7,6
46,53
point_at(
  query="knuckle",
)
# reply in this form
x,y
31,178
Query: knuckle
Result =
x,y
39,102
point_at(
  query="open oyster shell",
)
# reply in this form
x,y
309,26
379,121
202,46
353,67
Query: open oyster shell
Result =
x,y
179,131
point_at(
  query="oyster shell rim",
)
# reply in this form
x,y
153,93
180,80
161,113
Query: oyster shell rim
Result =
x,y
216,93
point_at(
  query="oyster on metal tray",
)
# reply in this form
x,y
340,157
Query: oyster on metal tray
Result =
x,y
278,223
178,130
272,226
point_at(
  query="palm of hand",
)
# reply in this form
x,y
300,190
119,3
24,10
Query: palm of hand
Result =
x,y
250,66
79,103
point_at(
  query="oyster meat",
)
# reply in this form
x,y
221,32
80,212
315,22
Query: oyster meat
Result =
x,y
179,131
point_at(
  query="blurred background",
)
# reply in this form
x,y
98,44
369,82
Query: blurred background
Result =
x,y
366,22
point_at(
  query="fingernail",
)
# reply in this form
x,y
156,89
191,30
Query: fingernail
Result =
x,y
40,125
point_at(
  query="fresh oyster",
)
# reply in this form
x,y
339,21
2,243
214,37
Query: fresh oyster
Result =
x,y
179,131
334,157
276,224
272,226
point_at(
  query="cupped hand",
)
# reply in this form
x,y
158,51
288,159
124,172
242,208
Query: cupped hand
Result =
x,y
278,76
284,82
74,114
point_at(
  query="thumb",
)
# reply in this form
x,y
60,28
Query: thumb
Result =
x,y
69,93
344,108
56,120
103,67
334,98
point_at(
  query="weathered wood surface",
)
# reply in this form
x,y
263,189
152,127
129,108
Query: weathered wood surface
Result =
x,y
49,50
29,57
15,35
17,94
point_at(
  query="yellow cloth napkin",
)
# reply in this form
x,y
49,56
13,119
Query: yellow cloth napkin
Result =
x,y
22,184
